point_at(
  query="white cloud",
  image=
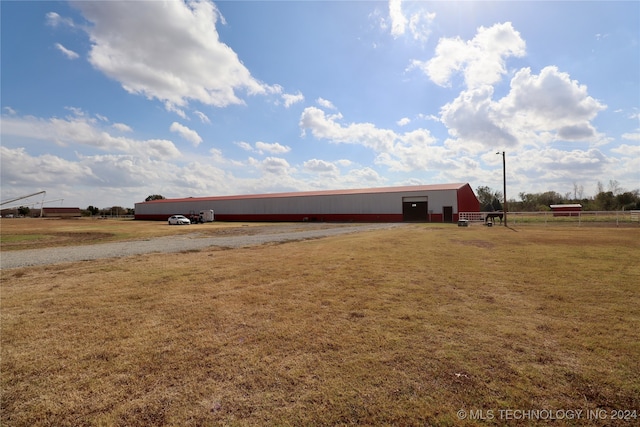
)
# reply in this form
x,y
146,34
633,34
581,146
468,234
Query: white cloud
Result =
x,y
76,111
551,102
92,179
398,20
122,127
275,166
631,136
537,110
628,150
472,118
420,25
188,134
84,131
170,51
274,148
202,116
405,152
244,145
363,177
480,60
325,104
551,96
366,134
66,52
170,106
290,99
538,168
54,20
19,167
262,147
321,166
419,21
403,121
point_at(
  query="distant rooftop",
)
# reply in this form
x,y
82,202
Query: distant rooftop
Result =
x,y
567,205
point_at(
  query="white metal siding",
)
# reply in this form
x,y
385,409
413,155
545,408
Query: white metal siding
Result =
x,y
439,199
360,203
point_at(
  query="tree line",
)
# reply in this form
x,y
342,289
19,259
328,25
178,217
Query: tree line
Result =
x,y
609,198
117,210
112,211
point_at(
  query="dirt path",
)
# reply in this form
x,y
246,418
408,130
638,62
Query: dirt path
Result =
x,y
180,243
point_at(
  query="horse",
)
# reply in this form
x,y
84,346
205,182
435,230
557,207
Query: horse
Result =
x,y
492,216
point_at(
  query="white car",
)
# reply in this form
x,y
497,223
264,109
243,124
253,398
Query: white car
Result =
x,y
178,220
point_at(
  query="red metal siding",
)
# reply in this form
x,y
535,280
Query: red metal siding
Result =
x,y
61,212
467,200
566,211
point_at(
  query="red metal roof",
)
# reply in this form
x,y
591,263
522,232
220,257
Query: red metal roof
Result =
x,y
566,206
431,187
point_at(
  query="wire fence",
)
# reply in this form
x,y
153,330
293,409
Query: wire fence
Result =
x,y
561,218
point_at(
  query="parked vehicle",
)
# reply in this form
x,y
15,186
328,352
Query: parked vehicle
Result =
x,y
206,216
202,217
179,220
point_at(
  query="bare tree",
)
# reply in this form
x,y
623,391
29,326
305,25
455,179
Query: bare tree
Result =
x,y
614,186
578,191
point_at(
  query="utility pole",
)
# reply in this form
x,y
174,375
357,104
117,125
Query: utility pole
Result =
x,y
504,187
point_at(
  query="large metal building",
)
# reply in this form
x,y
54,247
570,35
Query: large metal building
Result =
x,y
428,203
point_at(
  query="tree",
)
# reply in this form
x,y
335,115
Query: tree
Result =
x,y
540,201
93,210
24,210
488,198
614,186
578,191
154,197
118,211
605,201
629,200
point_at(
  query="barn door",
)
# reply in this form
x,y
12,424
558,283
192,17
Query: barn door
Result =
x,y
414,209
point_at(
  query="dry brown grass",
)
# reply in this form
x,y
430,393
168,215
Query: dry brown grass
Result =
x,y
35,233
394,327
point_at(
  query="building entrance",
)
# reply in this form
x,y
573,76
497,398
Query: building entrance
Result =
x,y
415,210
447,214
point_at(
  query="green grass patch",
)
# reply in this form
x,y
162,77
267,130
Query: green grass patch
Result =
x,y
22,238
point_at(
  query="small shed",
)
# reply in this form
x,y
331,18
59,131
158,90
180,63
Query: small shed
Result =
x,y
568,209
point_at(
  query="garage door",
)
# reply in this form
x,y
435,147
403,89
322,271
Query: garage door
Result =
x,y
414,211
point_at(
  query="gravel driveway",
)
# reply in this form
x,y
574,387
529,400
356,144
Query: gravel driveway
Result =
x,y
179,243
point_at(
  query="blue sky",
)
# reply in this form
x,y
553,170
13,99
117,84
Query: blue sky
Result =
x,y
107,102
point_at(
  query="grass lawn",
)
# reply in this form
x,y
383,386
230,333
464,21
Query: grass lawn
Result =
x,y
36,233
406,326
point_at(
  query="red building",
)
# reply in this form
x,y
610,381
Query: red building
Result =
x,y
426,203
566,209
61,212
